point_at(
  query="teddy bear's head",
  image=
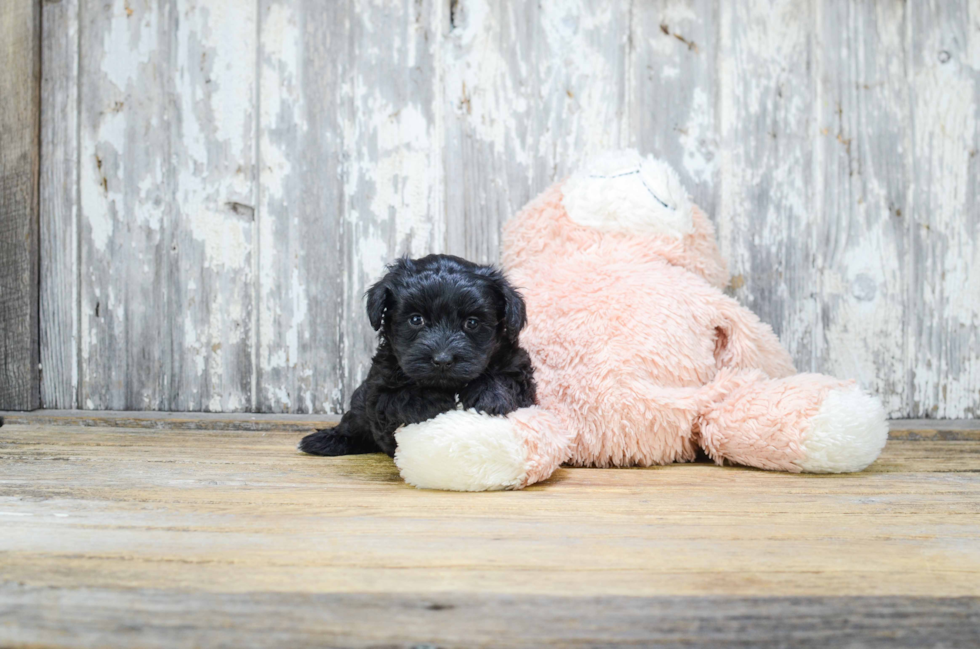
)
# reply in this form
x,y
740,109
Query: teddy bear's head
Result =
x,y
622,191
622,198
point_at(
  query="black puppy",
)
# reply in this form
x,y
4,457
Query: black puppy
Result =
x,y
448,334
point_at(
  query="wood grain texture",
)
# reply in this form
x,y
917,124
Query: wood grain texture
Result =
x,y
218,511
530,89
392,153
299,305
943,63
212,153
348,182
59,205
673,88
859,245
20,110
226,421
950,430
88,617
765,217
208,534
246,200
167,200
129,248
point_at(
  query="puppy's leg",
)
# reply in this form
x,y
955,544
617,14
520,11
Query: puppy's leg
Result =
x,y
340,440
407,406
502,392
350,437
491,396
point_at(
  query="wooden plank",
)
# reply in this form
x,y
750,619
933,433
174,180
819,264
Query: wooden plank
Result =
x,y
167,182
212,145
127,208
673,90
180,421
300,224
219,512
859,244
190,285
393,202
902,429
20,82
59,205
943,360
530,89
90,616
766,166
950,429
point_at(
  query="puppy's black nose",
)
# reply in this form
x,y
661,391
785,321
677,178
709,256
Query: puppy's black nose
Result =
x,y
442,360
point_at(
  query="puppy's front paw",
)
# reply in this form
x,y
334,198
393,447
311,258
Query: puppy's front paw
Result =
x,y
462,450
488,397
487,405
333,442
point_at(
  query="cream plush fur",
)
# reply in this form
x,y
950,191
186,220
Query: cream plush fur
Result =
x,y
640,357
619,191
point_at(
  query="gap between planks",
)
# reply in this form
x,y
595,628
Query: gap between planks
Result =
x,y
904,429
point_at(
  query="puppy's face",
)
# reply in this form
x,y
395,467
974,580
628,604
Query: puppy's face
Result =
x,y
445,317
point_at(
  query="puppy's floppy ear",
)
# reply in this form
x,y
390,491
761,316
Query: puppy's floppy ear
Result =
x,y
379,296
515,313
377,300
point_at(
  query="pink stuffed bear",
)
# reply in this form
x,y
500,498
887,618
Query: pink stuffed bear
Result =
x,y
639,356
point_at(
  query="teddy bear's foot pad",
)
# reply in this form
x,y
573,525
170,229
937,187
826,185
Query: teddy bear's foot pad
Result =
x,y
847,433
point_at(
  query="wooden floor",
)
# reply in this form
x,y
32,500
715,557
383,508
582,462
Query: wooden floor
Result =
x,y
171,535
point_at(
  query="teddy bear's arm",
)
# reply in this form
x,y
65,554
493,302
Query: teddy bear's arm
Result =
x,y
464,450
743,342
760,413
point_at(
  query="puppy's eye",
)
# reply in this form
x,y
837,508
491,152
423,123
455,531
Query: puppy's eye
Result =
x,y
416,320
471,324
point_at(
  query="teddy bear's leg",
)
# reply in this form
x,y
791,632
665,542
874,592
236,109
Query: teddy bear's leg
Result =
x,y
802,423
463,450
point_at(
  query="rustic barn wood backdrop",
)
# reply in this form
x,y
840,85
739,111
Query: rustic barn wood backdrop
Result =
x,y
222,179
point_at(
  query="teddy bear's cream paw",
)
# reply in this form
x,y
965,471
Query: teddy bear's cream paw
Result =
x,y
622,191
847,433
462,450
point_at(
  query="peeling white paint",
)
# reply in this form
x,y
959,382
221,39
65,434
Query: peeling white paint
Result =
x,y
298,294
699,140
441,131
227,241
404,179
128,44
95,207
946,224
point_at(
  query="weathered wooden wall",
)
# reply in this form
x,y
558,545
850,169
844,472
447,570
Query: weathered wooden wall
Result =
x,y
223,179
20,97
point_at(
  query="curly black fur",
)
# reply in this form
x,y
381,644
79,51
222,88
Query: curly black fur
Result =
x,y
448,328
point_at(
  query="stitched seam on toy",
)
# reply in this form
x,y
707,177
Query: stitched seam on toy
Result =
x,y
634,173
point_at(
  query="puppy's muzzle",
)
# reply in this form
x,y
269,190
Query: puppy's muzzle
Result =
x,y
443,360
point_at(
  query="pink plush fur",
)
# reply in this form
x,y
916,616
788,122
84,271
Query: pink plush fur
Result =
x,y
640,356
